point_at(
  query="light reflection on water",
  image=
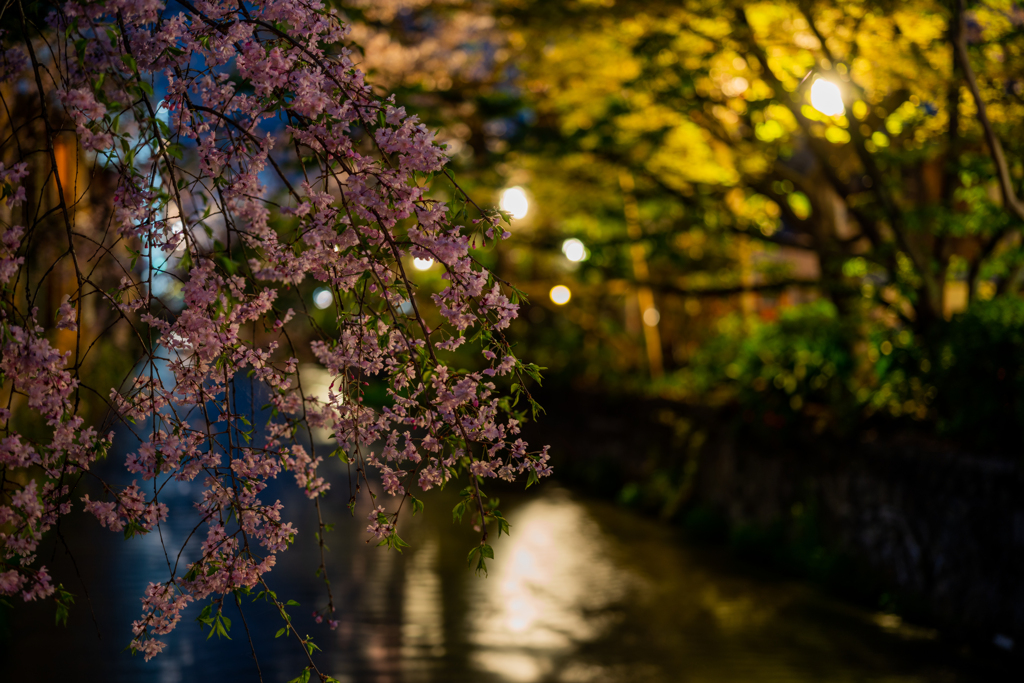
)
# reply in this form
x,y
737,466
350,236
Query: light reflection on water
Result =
x,y
580,592
548,592
422,611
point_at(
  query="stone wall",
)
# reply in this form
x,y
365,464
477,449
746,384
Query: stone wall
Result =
x,y
941,527
944,527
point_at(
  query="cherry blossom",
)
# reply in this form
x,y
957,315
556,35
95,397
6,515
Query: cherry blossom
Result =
x,y
247,156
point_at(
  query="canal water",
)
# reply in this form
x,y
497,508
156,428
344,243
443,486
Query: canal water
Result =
x,y
581,591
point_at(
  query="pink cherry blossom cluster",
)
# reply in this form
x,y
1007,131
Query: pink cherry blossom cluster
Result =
x,y
34,370
267,162
13,61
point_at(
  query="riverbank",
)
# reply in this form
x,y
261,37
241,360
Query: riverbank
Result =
x,y
899,523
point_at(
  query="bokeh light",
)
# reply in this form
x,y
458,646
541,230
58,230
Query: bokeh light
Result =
x,y
514,201
574,250
652,317
826,98
560,294
422,263
322,298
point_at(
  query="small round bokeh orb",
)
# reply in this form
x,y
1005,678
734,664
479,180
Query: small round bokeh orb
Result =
x,y
574,250
322,298
560,294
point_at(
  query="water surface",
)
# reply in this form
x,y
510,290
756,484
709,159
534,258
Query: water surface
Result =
x,y
581,591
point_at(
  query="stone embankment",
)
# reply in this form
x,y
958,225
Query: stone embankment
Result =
x,y
939,532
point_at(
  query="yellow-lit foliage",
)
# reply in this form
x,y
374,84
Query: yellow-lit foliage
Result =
x,y
696,117
709,104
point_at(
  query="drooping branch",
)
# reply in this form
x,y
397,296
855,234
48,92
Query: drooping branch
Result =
x,y
959,40
232,252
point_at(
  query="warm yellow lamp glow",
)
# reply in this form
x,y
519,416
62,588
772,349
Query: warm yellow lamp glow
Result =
x,y
560,294
826,98
422,263
514,201
574,250
652,317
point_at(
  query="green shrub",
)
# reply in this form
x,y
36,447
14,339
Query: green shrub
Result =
x,y
801,364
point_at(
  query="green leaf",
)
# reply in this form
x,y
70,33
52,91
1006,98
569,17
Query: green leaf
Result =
x,y
533,371
132,528
165,130
483,551
458,511
64,601
281,631
176,150
228,264
536,409
80,46
503,524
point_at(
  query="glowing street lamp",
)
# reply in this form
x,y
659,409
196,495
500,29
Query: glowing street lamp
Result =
x,y
560,295
422,263
574,250
514,201
827,98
